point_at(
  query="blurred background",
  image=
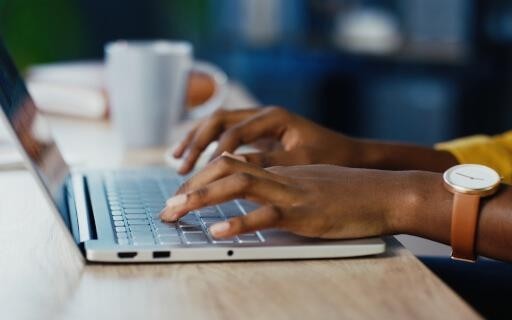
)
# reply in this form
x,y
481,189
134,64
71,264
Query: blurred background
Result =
x,y
412,70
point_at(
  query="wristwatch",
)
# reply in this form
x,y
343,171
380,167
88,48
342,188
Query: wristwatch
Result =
x,y
468,183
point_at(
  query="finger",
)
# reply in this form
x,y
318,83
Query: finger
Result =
x,y
238,157
268,123
180,149
261,218
204,135
269,159
238,185
222,167
301,155
207,132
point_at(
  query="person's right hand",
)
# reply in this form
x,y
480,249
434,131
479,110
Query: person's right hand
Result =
x,y
300,141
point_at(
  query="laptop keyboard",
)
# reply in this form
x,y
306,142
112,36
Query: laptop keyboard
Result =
x,y
135,204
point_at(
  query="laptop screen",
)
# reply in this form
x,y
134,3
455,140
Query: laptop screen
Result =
x,y
32,132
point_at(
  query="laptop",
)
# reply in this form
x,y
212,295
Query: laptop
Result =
x,y
113,215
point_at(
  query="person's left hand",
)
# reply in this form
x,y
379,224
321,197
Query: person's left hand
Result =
x,y
323,201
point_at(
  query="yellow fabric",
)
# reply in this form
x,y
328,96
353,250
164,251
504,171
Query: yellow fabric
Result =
x,y
492,151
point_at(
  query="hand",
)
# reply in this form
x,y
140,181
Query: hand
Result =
x,y
323,201
200,88
300,141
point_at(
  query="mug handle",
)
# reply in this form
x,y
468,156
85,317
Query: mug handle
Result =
x,y
219,94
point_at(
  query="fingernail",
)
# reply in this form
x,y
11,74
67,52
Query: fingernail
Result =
x,y
176,201
219,228
164,216
238,157
182,169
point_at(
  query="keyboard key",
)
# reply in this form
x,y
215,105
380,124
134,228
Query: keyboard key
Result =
x,y
211,220
131,201
248,238
119,223
122,235
215,216
248,206
140,228
135,211
116,212
169,240
138,222
143,242
195,238
120,229
155,203
161,224
117,218
223,240
230,209
190,228
210,212
130,216
134,207
123,241
166,231
155,215
189,223
115,208
141,234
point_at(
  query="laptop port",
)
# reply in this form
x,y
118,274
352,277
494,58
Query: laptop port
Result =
x,y
127,255
161,254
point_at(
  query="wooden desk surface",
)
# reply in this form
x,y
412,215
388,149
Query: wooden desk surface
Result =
x,y
44,277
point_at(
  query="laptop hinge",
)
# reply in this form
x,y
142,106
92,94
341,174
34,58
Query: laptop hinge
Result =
x,y
86,227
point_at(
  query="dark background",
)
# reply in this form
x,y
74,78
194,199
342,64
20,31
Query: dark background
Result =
x,y
450,76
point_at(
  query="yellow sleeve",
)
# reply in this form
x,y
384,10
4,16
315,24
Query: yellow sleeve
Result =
x,y
492,151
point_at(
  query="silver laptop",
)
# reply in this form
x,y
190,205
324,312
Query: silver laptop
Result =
x,y
113,216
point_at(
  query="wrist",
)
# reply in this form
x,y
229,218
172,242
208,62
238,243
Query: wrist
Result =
x,y
421,206
371,154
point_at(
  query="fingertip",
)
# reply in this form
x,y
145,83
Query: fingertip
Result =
x,y
185,168
166,216
220,229
182,170
179,150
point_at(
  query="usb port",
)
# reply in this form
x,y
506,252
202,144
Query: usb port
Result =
x,y
161,254
127,255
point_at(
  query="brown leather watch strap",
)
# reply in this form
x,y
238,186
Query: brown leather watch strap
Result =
x,y
464,226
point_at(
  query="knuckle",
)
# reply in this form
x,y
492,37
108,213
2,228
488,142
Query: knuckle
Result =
x,y
183,187
223,163
199,196
244,179
276,215
277,111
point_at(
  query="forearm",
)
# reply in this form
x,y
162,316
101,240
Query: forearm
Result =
x,y
396,156
426,212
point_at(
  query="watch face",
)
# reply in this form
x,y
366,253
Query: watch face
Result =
x,y
471,178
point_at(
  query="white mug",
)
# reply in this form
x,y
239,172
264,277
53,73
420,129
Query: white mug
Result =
x,y
147,82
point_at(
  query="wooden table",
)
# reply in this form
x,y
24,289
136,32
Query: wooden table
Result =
x,y
43,277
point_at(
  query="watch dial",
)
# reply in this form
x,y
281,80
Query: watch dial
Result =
x,y
472,177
